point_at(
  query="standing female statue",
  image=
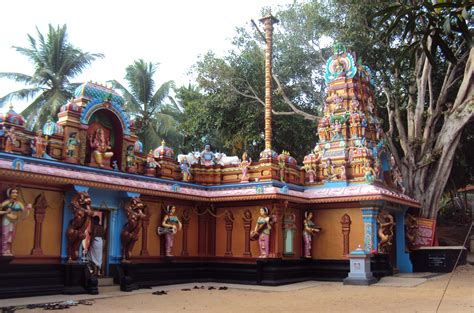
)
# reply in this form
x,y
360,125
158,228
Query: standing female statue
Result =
x,y
171,225
9,211
309,230
262,232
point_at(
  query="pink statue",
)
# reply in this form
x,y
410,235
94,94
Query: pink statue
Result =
x,y
342,173
9,211
244,165
262,232
309,230
100,145
10,139
171,225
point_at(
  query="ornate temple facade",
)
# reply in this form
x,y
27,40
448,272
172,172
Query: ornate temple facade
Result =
x,y
89,162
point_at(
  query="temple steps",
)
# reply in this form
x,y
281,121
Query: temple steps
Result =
x,y
106,285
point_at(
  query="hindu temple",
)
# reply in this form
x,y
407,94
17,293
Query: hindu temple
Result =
x,y
201,216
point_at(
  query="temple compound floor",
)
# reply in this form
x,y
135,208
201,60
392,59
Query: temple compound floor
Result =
x,y
313,296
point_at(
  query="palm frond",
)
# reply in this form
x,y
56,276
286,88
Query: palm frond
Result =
x,y
17,77
22,94
160,95
131,103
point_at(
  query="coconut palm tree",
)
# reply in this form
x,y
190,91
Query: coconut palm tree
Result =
x,y
156,118
56,61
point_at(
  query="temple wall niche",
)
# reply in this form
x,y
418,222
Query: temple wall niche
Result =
x,y
328,244
51,230
154,244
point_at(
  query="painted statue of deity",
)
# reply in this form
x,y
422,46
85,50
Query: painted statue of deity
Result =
x,y
9,212
369,173
309,230
150,161
330,169
310,172
411,232
72,146
337,130
99,145
170,226
386,224
343,171
40,144
244,166
10,139
282,167
130,159
76,230
262,232
207,156
135,210
185,169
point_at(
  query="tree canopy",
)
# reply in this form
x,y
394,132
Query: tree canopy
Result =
x,y
156,118
56,61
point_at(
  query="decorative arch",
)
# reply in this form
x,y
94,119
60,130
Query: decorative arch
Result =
x,y
98,104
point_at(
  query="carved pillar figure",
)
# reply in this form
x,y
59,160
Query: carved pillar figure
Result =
x,y
346,229
229,225
134,209
385,232
247,218
369,216
40,210
145,223
76,231
276,241
185,218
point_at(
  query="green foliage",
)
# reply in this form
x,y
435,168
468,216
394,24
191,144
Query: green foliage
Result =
x,y
56,61
155,118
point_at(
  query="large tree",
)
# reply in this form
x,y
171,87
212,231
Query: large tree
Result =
x,y
426,90
156,118
56,61
429,104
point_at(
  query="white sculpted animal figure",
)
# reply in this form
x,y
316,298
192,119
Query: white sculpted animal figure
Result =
x,y
191,157
223,159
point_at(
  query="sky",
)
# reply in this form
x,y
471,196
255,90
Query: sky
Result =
x,y
172,33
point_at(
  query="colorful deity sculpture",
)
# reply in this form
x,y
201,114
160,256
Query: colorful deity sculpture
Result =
x,y
76,230
170,226
330,169
72,146
130,159
9,211
244,166
185,169
369,173
40,144
262,232
99,145
10,139
151,164
411,232
135,210
309,230
310,172
207,156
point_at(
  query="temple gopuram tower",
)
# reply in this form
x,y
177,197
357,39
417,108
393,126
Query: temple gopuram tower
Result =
x,y
351,144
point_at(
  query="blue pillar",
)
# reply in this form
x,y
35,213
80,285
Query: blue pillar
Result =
x,y
67,216
369,216
403,258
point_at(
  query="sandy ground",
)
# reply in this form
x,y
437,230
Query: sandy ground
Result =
x,y
322,297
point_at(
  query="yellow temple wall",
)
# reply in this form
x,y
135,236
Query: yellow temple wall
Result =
x,y
328,244
52,224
